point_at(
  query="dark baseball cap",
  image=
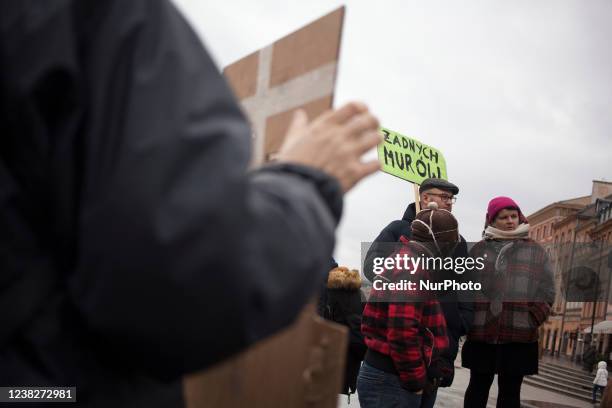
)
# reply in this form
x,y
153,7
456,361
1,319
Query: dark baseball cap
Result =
x,y
433,182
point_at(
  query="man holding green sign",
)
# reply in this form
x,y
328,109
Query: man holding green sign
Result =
x,y
422,165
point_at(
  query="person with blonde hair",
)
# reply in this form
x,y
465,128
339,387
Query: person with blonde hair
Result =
x,y
341,301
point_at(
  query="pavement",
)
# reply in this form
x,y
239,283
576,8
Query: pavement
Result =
x,y
452,397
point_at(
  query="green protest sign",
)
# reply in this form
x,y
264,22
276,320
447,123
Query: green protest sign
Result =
x,y
410,159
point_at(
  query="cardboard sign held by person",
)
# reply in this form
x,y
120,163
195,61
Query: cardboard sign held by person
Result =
x,y
303,366
296,72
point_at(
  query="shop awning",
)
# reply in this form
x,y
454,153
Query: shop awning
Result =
x,y
604,327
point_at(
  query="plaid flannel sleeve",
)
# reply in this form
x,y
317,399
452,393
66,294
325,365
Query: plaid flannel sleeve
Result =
x,y
406,344
403,323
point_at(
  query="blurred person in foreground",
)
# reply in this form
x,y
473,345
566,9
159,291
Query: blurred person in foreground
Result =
x,y
135,244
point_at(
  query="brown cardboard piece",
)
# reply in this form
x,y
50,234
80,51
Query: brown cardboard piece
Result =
x,y
302,366
297,71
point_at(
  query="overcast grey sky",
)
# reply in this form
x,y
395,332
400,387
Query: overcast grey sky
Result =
x,y
517,95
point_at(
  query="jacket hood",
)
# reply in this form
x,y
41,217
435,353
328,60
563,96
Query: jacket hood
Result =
x,y
410,213
343,278
602,364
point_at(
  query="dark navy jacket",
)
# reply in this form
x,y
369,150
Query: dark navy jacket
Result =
x,y
135,244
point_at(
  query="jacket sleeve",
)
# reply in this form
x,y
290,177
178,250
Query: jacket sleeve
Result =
x,y
354,311
380,248
404,333
322,296
466,309
545,294
185,256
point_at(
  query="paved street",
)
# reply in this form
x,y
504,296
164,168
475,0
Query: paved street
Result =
x,y
452,397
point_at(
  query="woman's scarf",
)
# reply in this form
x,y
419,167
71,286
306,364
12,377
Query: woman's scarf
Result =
x,y
521,232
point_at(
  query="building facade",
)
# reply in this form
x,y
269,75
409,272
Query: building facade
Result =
x,y
576,232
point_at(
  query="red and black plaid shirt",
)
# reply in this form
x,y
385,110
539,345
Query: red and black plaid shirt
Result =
x,y
411,333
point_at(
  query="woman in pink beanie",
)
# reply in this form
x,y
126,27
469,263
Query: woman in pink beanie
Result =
x,y
518,280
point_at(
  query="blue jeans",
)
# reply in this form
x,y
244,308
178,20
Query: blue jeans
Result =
x,y
428,401
378,389
597,388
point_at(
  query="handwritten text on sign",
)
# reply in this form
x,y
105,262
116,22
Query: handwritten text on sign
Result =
x,y
410,159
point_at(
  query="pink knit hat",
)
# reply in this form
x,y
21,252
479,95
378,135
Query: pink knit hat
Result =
x,y
499,203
